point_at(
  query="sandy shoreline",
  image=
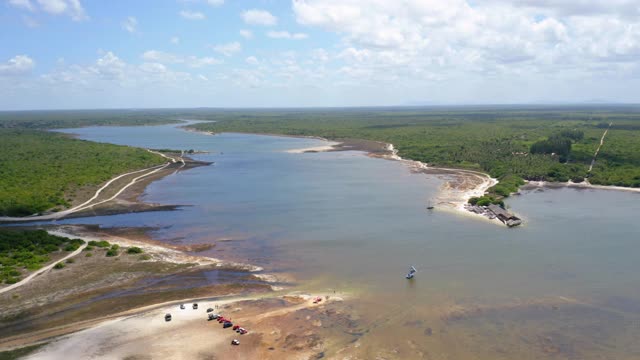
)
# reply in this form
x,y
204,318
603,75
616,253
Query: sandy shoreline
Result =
x,y
570,184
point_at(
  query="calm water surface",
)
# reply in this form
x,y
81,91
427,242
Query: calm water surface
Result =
x,y
564,286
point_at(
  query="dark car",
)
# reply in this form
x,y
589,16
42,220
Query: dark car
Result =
x,y
167,317
195,306
227,324
209,310
182,306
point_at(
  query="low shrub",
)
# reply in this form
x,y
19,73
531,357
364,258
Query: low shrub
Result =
x,y
134,250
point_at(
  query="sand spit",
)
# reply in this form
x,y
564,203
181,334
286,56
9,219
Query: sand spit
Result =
x,y
144,333
161,253
458,187
331,146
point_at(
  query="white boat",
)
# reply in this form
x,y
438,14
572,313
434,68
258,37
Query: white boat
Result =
x,y
412,271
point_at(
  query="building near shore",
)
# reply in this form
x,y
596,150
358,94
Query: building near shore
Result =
x,y
503,215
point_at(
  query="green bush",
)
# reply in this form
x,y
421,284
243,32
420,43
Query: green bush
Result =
x,y
115,247
100,244
134,250
89,254
112,252
59,266
71,247
70,261
144,257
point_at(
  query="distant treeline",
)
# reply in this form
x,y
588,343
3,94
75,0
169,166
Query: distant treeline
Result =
x,y
509,143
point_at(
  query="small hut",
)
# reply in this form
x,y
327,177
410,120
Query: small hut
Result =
x,y
503,215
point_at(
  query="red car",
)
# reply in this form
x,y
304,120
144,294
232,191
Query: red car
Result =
x,y
236,327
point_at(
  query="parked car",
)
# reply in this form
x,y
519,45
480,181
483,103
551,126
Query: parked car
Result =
x,y
195,306
235,342
236,327
211,317
242,331
210,310
227,324
167,317
182,306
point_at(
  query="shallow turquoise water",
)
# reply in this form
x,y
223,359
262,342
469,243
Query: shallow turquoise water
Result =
x,y
347,221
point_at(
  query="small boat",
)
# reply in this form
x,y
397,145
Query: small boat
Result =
x,y
429,206
412,271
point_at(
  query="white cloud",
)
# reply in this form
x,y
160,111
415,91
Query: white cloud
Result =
x,y
215,2
422,38
25,4
259,17
286,35
174,40
18,65
109,70
155,56
228,49
130,24
247,34
72,8
252,60
202,77
153,67
109,66
192,15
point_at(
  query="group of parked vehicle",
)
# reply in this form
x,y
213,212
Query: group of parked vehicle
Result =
x,y
226,323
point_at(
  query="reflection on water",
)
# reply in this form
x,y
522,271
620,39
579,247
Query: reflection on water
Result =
x,y
563,286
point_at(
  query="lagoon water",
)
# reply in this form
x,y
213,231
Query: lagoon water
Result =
x,y
564,286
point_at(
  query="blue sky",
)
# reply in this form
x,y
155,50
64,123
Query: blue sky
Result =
x,y
280,53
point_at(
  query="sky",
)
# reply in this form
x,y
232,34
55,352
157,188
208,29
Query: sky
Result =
x,y
66,54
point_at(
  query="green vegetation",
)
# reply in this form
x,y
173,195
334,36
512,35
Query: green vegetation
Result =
x,y
112,252
28,250
89,254
144,257
78,118
134,250
508,143
59,266
100,244
43,170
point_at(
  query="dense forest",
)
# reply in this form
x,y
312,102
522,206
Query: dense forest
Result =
x,y
28,249
496,140
40,170
60,119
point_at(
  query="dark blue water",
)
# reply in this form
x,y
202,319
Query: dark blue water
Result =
x,y
346,221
